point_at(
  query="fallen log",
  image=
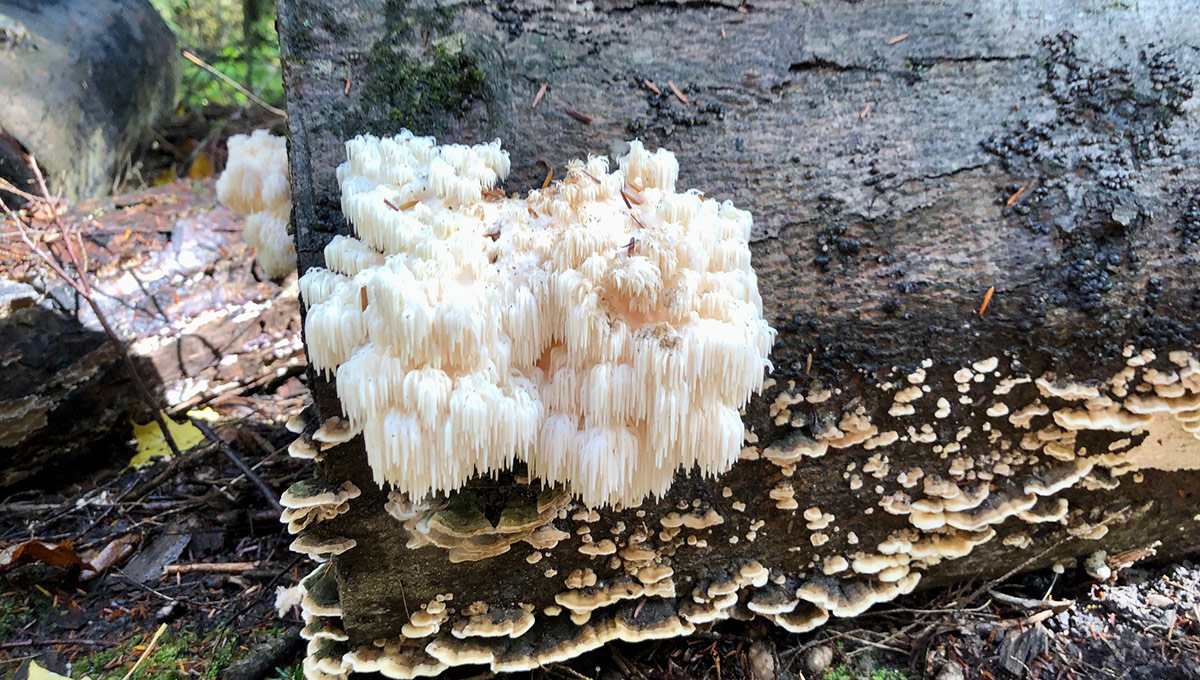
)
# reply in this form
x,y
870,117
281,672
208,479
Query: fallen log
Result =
x,y
976,232
178,284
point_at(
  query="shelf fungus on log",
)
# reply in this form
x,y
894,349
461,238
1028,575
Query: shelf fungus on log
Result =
x,y
548,389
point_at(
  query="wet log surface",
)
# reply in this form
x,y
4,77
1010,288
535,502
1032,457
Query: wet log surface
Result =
x,y
177,282
904,162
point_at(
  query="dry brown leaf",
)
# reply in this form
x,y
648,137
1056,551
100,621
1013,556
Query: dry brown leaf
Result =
x,y
61,555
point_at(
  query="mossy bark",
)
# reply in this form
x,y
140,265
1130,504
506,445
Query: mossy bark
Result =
x,y
903,162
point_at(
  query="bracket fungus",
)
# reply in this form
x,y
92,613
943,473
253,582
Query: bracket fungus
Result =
x,y
591,341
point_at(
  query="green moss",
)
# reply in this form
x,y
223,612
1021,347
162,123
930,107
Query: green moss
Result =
x,y
420,72
844,672
290,673
19,610
178,655
419,89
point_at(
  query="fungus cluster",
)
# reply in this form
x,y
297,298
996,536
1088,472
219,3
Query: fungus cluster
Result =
x,y
604,330
255,183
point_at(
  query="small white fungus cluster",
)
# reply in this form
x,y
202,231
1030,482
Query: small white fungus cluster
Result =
x,y
255,183
605,330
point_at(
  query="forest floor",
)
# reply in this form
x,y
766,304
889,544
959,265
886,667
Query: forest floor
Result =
x,y
171,570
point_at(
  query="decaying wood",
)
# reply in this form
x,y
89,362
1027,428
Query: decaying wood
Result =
x,y
175,280
1003,195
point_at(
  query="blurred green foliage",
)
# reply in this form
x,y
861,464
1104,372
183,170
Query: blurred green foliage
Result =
x,y
236,37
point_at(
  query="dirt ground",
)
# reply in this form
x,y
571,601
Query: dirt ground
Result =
x,y
191,555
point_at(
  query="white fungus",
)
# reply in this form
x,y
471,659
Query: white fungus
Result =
x,y
604,330
255,183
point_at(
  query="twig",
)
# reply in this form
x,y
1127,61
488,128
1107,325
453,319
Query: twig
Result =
x,y
146,652
270,495
265,589
174,467
233,83
210,567
83,288
1030,604
50,643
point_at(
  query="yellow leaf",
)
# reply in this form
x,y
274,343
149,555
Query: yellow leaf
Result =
x,y
205,413
201,167
165,177
151,443
36,672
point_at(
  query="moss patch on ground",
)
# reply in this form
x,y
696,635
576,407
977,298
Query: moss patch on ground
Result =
x,y
178,655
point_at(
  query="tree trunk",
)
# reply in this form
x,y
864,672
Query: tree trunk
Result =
x,y
976,231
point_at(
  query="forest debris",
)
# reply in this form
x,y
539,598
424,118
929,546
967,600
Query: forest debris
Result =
x,y
537,99
679,95
146,652
581,117
210,567
1013,199
54,555
152,444
271,496
651,86
895,39
36,672
987,298
1031,604
116,550
164,549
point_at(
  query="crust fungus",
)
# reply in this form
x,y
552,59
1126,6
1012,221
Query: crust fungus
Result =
x,y
255,183
605,343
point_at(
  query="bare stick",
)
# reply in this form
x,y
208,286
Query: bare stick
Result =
x,y
145,653
84,289
232,83
210,567
270,495
51,643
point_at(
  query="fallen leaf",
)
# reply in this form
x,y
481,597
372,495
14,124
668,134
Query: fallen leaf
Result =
x,y
36,672
112,553
201,168
61,555
152,444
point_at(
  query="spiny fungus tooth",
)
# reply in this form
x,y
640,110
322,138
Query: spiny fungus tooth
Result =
x,y
604,344
255,183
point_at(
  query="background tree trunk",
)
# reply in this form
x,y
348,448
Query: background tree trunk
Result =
x,y
904,162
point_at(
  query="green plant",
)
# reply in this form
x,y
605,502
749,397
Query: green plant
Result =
x,y
290,673
235,37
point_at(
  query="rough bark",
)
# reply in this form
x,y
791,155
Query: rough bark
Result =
x,y
903,162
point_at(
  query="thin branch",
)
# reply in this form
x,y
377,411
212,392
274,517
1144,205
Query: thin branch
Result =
x,y
233,83
270,495
82,286
50,643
